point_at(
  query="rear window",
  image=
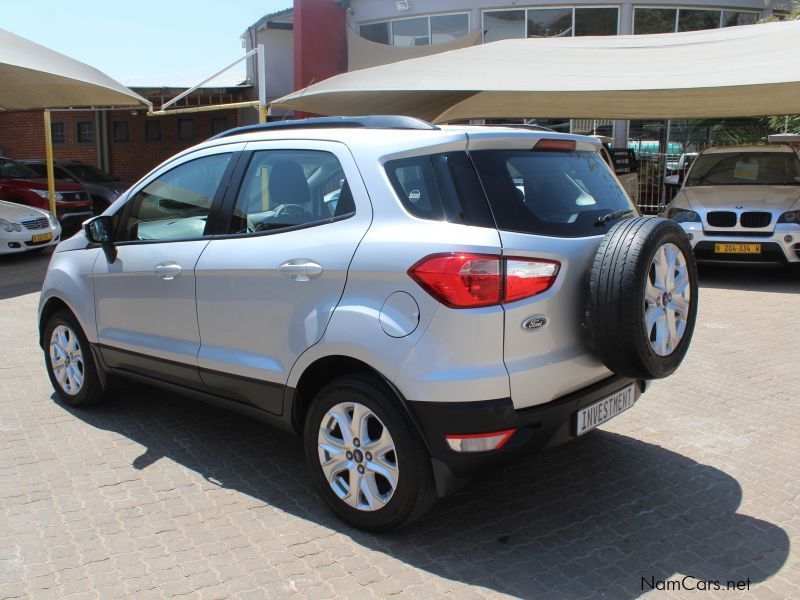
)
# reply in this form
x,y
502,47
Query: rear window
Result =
x,y
440,187
549,193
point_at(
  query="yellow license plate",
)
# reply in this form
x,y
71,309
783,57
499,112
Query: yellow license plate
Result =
x,y
41,237
737,248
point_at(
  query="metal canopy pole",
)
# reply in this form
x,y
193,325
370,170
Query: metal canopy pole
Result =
x,y
262,85
48,146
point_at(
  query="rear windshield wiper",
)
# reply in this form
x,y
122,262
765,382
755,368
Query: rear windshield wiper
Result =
x,y
604,220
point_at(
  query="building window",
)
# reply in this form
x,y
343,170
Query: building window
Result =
x,y
411,32
85,131
550,22
695,20
417,31
596,21
185,130
219,124
376,32
732,18
654,20
503,25
58,132
152,130
445,28
121,131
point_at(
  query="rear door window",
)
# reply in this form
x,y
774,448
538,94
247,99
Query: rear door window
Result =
x,y
549,193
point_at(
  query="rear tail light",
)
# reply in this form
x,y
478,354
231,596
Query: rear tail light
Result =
x,y
479,442
475,280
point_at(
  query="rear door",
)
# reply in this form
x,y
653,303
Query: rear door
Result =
x,y
547,203
266,289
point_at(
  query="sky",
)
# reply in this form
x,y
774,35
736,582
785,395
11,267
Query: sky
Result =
x,y
172,42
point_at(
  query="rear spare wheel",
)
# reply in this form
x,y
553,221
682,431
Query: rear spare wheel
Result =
x,y
642,301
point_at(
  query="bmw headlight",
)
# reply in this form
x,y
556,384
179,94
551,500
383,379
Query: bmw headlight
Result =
x,y
9,226
45,194
793,216
682,215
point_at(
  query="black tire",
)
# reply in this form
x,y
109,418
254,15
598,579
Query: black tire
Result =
x,y
91,391
616,298
415,492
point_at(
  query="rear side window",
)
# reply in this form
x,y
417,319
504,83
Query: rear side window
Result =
x,y
549,193
440,187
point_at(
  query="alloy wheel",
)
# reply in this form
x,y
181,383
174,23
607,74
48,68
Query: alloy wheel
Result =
x,y
667,299
66,359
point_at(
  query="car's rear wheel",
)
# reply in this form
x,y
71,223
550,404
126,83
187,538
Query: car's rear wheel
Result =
x,y
366,459
642,301
69,360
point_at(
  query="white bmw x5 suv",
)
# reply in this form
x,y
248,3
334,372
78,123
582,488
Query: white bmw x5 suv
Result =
x,y
417,302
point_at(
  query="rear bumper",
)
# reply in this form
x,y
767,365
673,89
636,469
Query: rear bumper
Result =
x,y
537,427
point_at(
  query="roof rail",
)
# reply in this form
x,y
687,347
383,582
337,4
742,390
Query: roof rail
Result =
x,y
365,122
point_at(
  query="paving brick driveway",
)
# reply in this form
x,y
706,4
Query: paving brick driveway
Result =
x,y
151,495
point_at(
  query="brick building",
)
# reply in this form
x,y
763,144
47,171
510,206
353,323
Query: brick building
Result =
x,y
126,143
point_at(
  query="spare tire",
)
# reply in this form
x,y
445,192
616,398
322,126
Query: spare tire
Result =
x,y
642,302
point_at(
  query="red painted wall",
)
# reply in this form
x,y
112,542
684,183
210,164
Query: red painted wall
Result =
x,y
320,41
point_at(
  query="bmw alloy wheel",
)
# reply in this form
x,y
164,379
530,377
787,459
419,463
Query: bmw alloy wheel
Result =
x,y
66,358
358,457
667,299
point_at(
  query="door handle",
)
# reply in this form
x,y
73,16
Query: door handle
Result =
x,y
301,269
168,271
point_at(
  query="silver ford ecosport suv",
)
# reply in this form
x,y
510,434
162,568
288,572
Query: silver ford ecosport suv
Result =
x,y
417,302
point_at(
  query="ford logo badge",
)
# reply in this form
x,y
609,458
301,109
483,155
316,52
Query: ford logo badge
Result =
x,y
534,323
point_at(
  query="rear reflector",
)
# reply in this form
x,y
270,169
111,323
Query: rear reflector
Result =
x,y
550,145
479,442
475,280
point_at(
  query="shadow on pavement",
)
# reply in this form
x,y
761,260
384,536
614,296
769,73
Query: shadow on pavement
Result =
x,y
751,278
588,519
23,273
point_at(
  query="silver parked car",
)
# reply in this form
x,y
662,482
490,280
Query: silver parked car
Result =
x,y
742,204
417,302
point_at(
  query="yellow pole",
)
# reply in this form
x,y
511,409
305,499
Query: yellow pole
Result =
x,y
48,146
262,113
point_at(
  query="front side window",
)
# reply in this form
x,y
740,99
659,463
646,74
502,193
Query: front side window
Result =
x,y
176,205
291,188
596,21
14,170
745,168
549,193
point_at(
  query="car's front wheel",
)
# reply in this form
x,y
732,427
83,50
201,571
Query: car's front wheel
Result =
x,y
366,459
69,360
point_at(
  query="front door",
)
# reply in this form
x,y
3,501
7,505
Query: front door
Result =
x,y
266,291
145,299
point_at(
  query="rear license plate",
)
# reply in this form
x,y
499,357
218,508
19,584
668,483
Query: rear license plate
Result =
x,y
41,237
605,409
737,248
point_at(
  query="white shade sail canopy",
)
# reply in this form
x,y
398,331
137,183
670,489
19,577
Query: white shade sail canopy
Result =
x,y
35,77
743,71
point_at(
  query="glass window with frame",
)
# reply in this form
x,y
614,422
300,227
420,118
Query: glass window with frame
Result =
x,y
696,20
175,205
185,129
376,32
219,124
445,28
654,20
732,18
596,21
503,25
152,130
58,132
121,131
550,22
85,130
411,32
291,188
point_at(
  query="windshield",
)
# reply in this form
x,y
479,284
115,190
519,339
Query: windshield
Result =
x,y
550,193
14,170
745,168
91,174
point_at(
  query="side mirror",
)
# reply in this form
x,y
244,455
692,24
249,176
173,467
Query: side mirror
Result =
x,y
100,230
